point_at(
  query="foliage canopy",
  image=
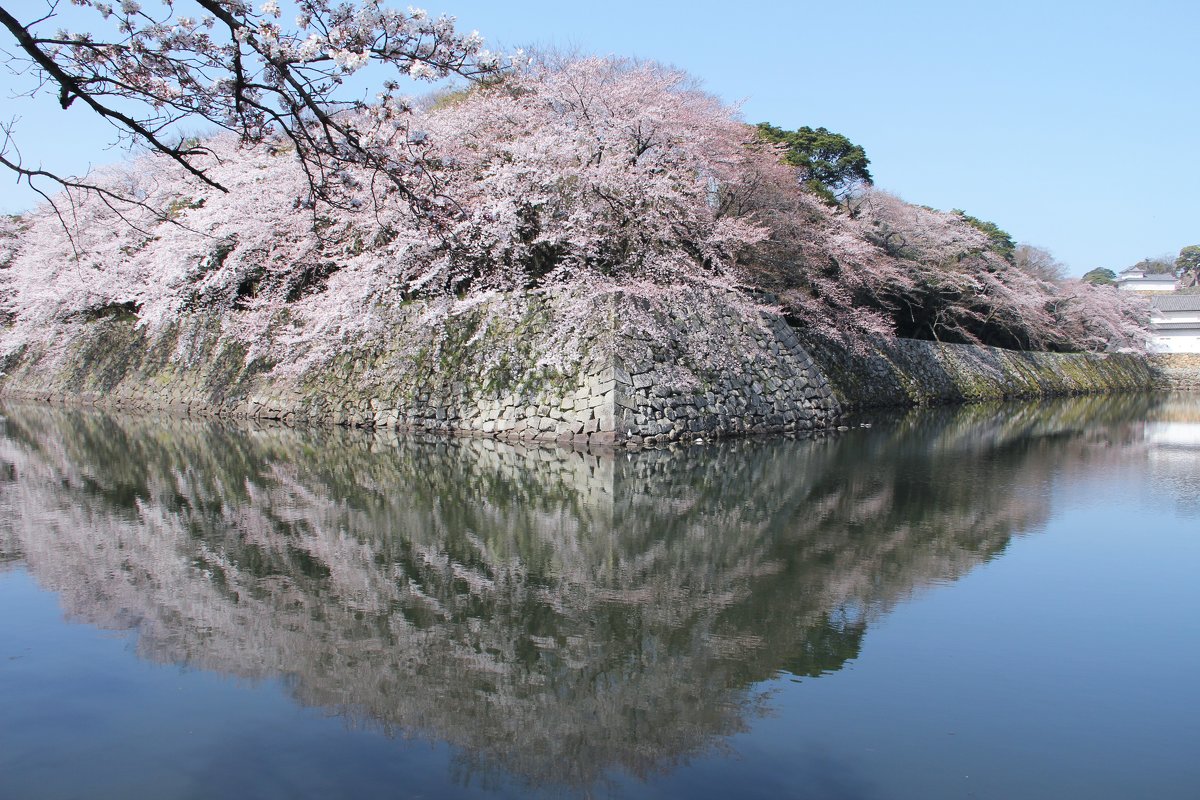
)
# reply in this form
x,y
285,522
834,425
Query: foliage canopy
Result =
x,y
830,164
999,240
1100,276
1189,258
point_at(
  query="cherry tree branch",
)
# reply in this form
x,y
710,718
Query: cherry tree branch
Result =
x,y
146,72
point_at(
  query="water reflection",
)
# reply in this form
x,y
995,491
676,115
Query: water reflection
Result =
x,y
551,613
1172,438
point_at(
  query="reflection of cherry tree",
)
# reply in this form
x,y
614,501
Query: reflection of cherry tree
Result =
x,y
556,612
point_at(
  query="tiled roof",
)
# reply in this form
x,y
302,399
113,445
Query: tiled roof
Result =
x,y
1176,302
1137,275
1175,326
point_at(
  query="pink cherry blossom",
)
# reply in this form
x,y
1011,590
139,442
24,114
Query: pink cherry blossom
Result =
x,y
567,180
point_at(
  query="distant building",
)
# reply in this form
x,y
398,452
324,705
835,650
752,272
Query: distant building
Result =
x,y
1136,279
1175,322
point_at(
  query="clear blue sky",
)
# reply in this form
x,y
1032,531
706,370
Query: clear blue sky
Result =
x,y
1072,125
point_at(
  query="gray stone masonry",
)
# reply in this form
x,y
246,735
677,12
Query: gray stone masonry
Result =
x,y
1179,371
643,376
704,365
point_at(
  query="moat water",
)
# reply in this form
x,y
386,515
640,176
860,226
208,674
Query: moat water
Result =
x,y
997,601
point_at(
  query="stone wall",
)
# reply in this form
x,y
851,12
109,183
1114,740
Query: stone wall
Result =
x,y
617,369
1179,372
905,372
623,371
707,368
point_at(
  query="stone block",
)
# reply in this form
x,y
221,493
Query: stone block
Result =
x,y
602,438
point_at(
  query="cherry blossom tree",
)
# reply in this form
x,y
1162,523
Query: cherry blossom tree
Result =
x,y
1038,262
1098,317
946,278
814,259
11,228
565,178
595,171
147,67
599,166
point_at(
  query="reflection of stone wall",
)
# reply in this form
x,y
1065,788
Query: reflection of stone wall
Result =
x,y
558,612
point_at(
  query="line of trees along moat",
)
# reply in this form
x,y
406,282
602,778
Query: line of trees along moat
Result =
x,y
555,612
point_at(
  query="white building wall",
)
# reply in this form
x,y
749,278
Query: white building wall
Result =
x,y
1146,285
1188,343
1174,316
